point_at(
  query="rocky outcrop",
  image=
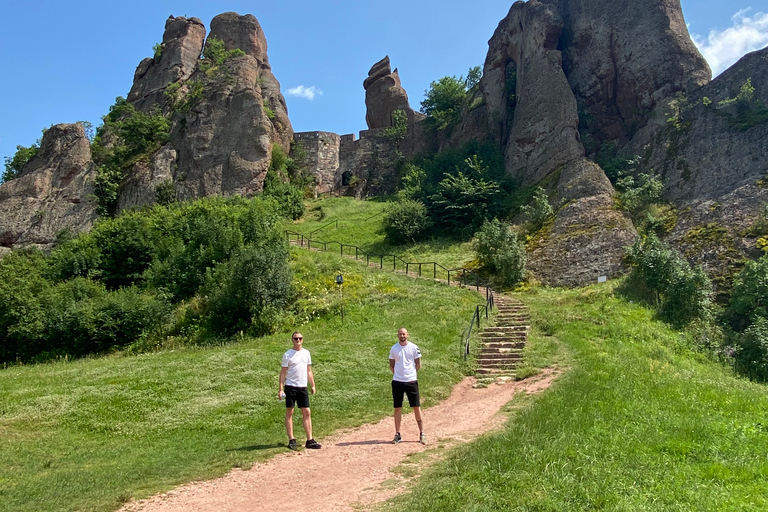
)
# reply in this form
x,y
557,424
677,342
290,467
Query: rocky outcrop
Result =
x,y
178,58
52,193
221,142
384,94
714,168
541,127
623,58
586,239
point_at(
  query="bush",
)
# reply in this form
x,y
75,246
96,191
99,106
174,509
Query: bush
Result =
x,y
638,194
499,250
751,355
82,317
681,293
249,291
749,299
538,211
406,221
288,193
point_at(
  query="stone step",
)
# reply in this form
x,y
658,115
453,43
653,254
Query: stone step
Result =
x,y
506,347
499,356
497,365
500,344
506,330
496,372
506,339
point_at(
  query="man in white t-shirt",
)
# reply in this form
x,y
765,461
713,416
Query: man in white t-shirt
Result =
x,y
405,362
295,374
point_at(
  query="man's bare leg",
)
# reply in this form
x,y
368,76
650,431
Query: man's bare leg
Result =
x,y
417,414
306,417
289,422
398,417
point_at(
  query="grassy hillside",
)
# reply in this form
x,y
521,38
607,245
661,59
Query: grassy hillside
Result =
x,y
638,422
360,223
92,433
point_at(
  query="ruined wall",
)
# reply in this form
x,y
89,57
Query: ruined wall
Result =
x,y
322,157
347,166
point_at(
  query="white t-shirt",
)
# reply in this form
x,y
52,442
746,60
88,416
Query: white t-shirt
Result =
x,y
296,361
405,361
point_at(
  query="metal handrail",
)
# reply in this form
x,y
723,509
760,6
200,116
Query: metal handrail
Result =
x,y
464,277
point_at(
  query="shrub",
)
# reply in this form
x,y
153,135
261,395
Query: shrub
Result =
x,y
499,250
405,221
749,298
538,211
249,291
399,129
216,51
751,356
680,292
288,196
83,318
638,194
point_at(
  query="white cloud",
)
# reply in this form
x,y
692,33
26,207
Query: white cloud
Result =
x,y
308,93
722,48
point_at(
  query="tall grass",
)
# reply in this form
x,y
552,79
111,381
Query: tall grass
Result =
x,y
92,433
639,422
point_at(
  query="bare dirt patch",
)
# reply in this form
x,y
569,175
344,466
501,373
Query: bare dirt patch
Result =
x,y
355,468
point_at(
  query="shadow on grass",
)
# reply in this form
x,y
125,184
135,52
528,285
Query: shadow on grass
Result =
x,y
257,447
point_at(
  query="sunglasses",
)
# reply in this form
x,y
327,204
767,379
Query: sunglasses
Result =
x,y
298,339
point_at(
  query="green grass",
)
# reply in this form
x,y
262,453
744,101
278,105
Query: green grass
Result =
x,y
90,434
639,422
360,223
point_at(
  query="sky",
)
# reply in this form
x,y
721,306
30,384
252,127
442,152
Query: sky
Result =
x,y
68,61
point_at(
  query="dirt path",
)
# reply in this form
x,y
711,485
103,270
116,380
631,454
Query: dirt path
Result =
x,y
348,472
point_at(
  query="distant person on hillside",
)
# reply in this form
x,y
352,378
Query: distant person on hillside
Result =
x,y
295,373
405,362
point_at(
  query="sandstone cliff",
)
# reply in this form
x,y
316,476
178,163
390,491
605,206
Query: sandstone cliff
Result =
x,y
52,193
384,94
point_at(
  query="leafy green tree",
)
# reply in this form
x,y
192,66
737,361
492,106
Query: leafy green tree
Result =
x,y
444,101
405,221
14,164
473,77
399,129
499,250
638,194
463,202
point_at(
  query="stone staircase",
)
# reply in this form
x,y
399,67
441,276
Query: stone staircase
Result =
x,y
502,349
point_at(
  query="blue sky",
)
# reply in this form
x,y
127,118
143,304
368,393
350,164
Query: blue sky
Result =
x,y
67,61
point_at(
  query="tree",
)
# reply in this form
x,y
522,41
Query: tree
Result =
x,y
499,250
23,155
444,101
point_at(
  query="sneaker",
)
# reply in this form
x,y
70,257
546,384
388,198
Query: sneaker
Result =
x,y
292,445
397,438
423,438
313,445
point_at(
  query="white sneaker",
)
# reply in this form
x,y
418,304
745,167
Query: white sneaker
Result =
x,y
423,438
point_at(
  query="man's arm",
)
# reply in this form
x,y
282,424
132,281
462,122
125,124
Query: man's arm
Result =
x,y
417,364
311,378
283,373
392,366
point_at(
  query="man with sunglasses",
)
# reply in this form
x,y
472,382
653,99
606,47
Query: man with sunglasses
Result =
x,y
295,374
404,363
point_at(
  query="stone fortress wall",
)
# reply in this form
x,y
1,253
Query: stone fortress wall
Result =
x,y
346,165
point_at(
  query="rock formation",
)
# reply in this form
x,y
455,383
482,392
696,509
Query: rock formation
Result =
x,y
714,169
384,94
623,58
224,141
178,57
52,193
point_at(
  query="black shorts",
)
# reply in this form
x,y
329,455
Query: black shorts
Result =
x,y
296,397
411,390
